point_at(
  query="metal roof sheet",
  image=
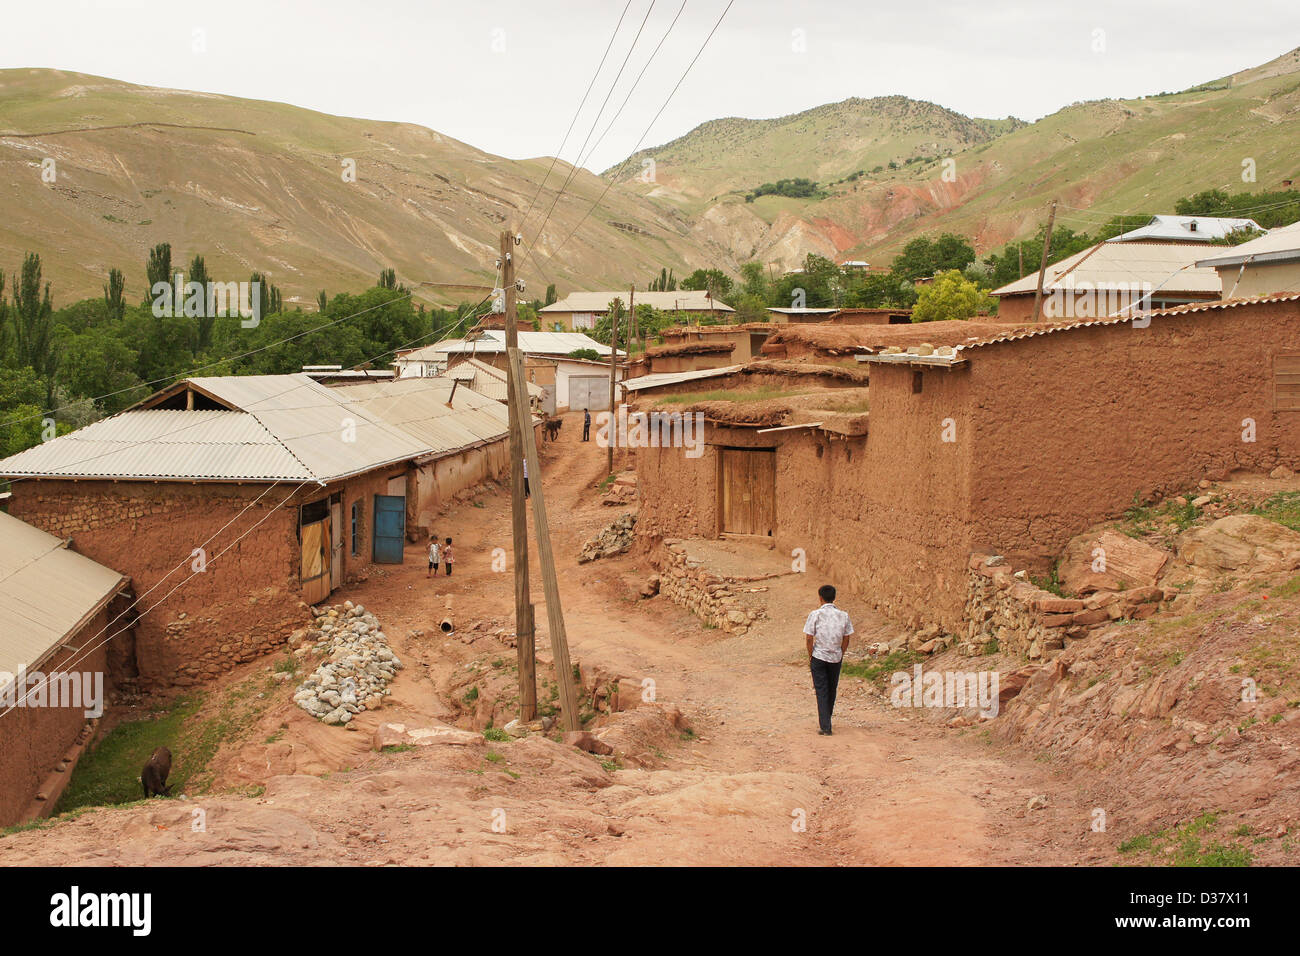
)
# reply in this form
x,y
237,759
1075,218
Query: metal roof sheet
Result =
x,y
671,378
534,343
286,427
685,300
1168,266
488,380
45,592
163,443
1201,229
1280,244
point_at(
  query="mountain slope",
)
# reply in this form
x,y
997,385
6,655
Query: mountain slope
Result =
x,y
1099,158
259,185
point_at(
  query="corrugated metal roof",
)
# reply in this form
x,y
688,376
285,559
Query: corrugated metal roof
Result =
x,y
686,300
1279,245
45,591
672,378
419,407
1169,267
534,343
163,443
488,380
1186,228
286,427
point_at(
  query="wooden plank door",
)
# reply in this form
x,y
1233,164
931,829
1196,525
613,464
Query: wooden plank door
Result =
x,y
336,538
748,496
315,561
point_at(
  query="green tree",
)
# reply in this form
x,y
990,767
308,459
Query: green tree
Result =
x,y
924,257
157,269
950,296
98,365
33,324
204,322
21,399
115,294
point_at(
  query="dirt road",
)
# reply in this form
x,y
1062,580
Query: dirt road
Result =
x,y
756,785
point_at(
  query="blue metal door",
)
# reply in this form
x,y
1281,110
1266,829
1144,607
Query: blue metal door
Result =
x,y
390,528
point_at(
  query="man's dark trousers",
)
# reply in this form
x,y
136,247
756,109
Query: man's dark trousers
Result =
x,y
586,430
826,680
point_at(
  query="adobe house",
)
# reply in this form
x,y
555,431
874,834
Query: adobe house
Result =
x,y
1263,266
745,341
689,356
1009,444
58,606
1164,274
582,310
255,494
841,344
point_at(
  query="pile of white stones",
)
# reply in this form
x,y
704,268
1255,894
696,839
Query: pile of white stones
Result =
x,y
358,665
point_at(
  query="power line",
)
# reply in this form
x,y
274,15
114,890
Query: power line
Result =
x,y
672,93
573,170
576,113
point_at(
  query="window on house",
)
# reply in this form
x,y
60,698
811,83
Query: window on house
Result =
x,y
916,381
1286,382
356,528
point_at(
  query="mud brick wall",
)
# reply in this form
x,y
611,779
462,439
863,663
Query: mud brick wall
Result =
x,y
1069,427
244,603
34,740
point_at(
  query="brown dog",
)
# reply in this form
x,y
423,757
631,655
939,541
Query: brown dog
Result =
x,y
154,775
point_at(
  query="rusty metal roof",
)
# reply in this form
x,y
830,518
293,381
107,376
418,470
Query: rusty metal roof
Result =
x,y
46,591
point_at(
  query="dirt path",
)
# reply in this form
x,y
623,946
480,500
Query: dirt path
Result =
x,y
886,789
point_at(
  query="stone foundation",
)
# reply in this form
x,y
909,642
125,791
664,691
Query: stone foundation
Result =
x,y
714,598
1007,613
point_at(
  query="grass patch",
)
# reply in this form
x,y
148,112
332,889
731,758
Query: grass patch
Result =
x,y
1283,507
1191,844
495,734
879,671
729,395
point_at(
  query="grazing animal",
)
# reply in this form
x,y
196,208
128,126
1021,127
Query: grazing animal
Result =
x,y
154,775
552,427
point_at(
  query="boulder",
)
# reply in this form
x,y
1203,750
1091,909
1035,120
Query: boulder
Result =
x,y
1127,563
587,741
1239,543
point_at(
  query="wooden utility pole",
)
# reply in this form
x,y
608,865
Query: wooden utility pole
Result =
x,y
525,639
631,294
1042,266
551,584
613,420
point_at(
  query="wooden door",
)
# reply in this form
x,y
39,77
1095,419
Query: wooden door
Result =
x,y
316,561
748,491
336,538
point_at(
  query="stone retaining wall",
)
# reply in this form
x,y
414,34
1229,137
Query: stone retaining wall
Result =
x,y
1004,610
715,598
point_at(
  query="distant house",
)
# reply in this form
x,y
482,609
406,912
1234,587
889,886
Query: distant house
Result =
x,y
490,381
1202,229
581,310
253,494
57,607
1111,278
570,383
802,314
835,316
1262,266
691,347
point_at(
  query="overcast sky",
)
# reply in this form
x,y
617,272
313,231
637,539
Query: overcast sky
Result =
x,y
506,76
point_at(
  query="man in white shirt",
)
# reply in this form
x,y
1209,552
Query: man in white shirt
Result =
x,y
827,631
